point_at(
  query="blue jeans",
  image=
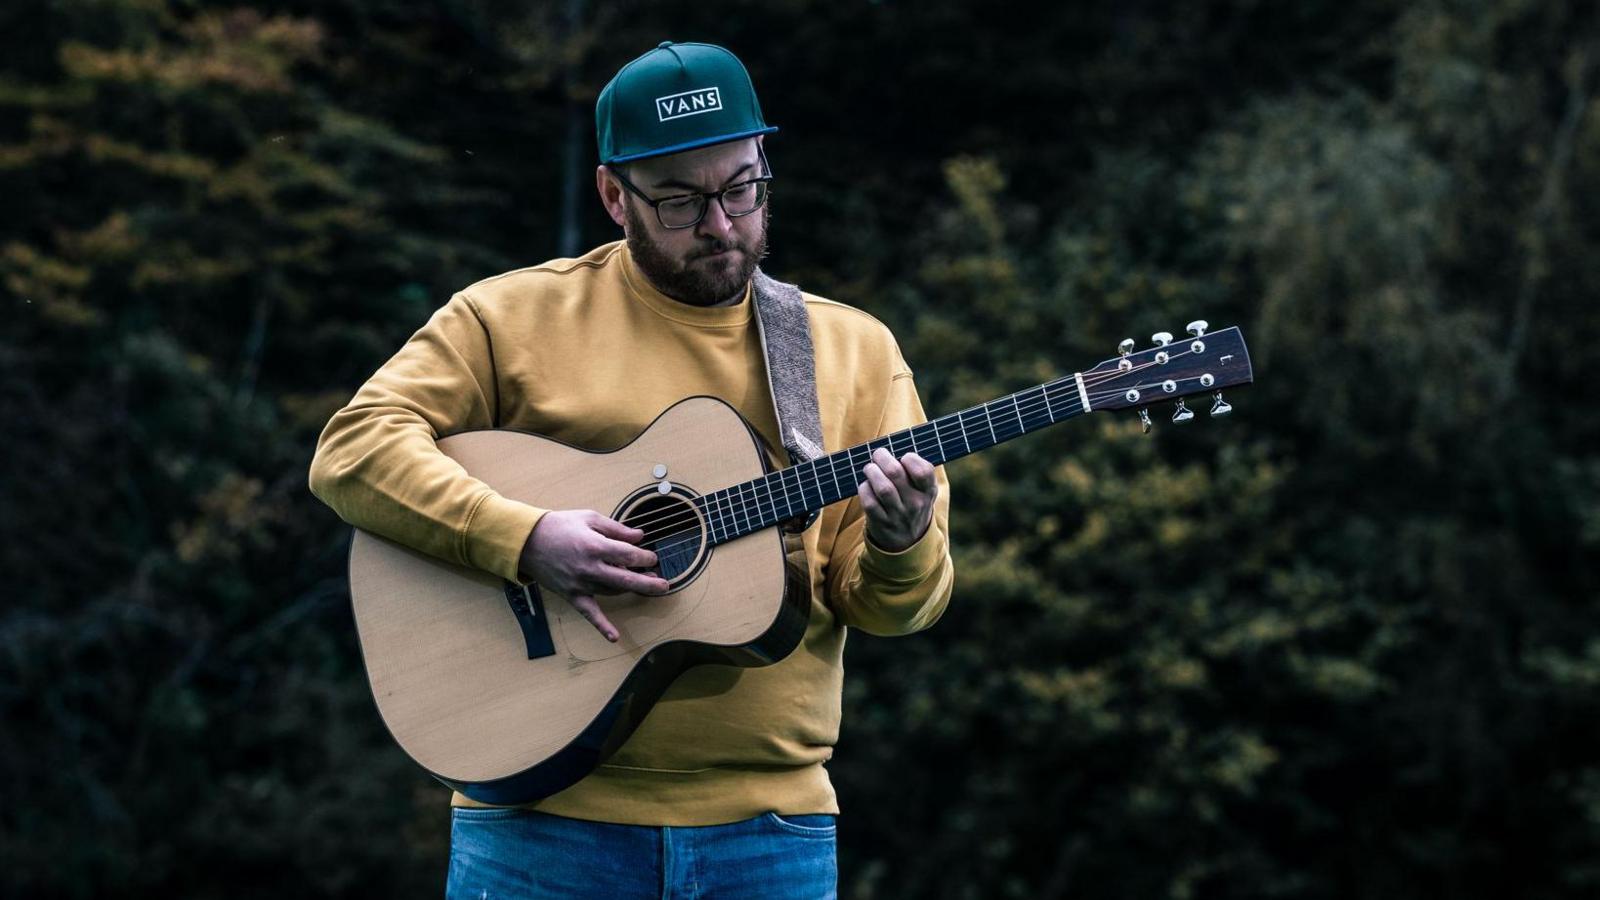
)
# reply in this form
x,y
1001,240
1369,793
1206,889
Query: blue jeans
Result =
x,y
515,853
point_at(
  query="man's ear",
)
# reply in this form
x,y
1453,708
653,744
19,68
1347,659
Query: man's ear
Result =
x,y
611,195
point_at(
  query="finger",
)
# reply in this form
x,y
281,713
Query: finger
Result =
x,y
621,554
615,530
869,500
920,472
878,520
590,609
888,495
615,580
891,467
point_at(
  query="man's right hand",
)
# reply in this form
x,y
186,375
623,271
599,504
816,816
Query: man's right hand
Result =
x,y
579,554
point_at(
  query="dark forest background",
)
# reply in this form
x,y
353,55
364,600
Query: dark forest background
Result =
x,y
1341,644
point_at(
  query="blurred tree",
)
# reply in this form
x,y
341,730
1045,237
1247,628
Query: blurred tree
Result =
x,y
191,221
1342,643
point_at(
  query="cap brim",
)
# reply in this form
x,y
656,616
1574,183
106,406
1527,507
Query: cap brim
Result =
x,y
691,145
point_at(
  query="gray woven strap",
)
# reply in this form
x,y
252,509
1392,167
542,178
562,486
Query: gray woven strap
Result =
x,y
785,331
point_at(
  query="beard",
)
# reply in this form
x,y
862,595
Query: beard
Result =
x,y
684,280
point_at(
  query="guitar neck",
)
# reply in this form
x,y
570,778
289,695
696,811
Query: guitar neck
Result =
x,y
809,486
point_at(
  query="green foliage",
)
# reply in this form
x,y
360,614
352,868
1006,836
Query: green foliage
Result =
x,y
1339,644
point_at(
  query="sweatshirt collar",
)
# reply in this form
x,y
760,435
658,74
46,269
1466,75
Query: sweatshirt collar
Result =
x,y
643,291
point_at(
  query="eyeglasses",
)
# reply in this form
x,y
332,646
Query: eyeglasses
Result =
x,y
686,210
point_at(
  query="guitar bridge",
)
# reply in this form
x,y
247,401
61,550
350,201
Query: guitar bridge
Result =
x,y
527,604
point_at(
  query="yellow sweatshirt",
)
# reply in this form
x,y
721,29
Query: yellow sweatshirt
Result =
x,y
587,351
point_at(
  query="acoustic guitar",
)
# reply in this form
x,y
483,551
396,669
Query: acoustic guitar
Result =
x,y
506,693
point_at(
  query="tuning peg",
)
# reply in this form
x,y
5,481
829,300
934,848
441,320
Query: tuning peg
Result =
x,y
1221,407
1144,418
1182,413
1197,327
1162,338
1125,347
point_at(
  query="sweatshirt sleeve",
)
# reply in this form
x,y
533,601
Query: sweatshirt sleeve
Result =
x,y
378,466
886,593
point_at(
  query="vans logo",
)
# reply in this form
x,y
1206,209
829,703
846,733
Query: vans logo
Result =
x,y
688,103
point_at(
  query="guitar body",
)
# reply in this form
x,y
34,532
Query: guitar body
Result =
x,y
509,695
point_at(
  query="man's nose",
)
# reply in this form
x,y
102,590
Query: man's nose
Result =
x,y
715,223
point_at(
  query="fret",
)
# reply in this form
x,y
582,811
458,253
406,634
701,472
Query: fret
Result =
x,y
780,503
776,501
795,508
772,505
934,454
744,508
938,428
966,433
789,506
773,484
706,505
800,487
1034,414
1017,408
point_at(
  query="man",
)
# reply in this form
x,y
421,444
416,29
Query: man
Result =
x,y
721,791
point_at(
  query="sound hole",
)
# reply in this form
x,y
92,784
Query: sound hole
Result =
x,y
673,529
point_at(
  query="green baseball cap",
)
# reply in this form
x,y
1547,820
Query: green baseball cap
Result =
x,y
676,97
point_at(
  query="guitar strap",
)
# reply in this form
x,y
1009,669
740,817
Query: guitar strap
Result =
x,y
785,332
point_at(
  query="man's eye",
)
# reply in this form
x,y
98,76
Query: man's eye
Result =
x,y
679,204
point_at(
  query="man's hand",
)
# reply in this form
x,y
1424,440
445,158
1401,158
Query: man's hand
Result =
x,y
897,497
579,553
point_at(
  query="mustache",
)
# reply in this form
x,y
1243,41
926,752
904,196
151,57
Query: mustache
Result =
x,y
716,245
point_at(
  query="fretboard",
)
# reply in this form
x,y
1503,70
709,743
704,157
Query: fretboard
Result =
x,y
798,490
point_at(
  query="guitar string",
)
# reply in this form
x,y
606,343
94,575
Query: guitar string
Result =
x,y
676,517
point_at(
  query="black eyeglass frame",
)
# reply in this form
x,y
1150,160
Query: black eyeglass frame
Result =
x,y
705,196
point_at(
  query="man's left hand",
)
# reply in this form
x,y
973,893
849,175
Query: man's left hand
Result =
x,y
897,497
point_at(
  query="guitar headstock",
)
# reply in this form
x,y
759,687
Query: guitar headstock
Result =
x,y
1171,370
